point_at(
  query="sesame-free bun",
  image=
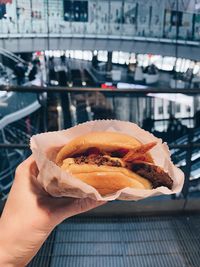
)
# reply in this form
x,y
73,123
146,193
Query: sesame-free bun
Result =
x,y
105,141
106,179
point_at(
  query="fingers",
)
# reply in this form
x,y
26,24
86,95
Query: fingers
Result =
x,y
98,203
83,205
60,209
74,206
34,169
25,164
28,161
27,167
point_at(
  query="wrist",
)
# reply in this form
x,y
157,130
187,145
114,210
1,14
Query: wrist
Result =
x,y
18,245
9,246
5,258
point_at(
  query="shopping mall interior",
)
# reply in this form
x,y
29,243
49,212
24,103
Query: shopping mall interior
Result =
x,y
66,62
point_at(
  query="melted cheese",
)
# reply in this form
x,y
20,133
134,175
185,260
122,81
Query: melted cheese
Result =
x,y
115,159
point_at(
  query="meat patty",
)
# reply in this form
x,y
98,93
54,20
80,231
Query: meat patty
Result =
x,y
97,160
153,173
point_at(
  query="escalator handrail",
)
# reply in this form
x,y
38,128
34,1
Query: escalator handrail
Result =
x,y
11,56
19,114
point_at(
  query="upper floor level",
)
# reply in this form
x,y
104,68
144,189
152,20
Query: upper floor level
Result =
x,y
125,24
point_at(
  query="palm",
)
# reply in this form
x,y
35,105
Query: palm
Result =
x,y
57,209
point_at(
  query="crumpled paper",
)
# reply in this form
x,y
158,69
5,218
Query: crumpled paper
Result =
x,y
58,182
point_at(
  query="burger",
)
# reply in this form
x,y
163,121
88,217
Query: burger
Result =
x,y
110,161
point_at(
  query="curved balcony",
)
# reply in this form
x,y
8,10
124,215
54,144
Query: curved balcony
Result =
x,y
153,27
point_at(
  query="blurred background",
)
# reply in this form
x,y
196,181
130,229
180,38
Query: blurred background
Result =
x,y
66,62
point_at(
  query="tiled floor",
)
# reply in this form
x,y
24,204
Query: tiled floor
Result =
x,y
123,241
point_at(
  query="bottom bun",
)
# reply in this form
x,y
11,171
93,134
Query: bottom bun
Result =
x,y
109,183
106,179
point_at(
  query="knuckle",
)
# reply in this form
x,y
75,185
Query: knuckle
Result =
x,y
19,170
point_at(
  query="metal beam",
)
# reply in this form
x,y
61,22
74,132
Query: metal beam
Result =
x,y
93,89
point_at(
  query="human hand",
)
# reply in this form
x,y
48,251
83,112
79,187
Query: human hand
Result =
x,y
30,214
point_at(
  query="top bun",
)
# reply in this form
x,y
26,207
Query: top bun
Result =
x,y
106,141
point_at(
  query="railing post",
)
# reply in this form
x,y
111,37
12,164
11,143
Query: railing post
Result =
x,y
65,104
188,164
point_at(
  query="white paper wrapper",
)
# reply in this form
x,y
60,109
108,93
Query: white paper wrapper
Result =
x,y
61,183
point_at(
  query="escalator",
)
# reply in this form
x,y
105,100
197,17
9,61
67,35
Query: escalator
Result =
x,y
18,132
9,59
179,156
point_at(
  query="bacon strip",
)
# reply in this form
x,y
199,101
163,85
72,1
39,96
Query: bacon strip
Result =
x,y
138,153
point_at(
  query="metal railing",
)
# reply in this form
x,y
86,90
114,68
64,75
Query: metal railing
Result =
x,y
133,92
